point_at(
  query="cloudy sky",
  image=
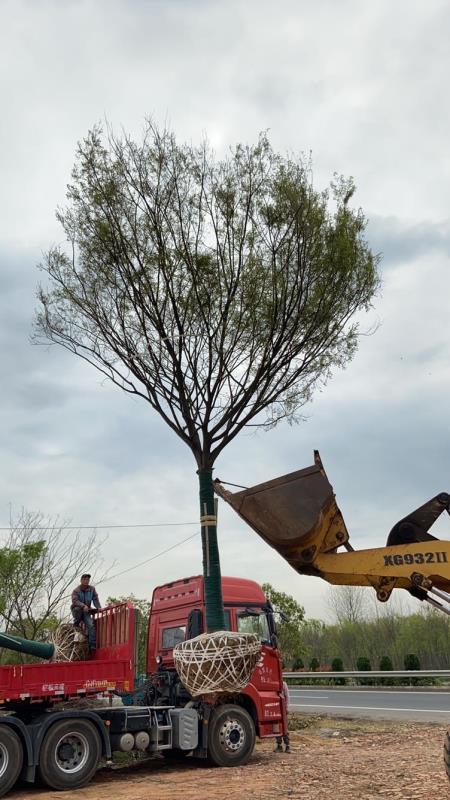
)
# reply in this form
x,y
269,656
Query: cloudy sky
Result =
x,y
362,85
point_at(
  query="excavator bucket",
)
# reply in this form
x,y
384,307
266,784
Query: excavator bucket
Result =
x,y
296,514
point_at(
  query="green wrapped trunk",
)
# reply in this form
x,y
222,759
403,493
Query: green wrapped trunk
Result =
x,y
215,620
39,649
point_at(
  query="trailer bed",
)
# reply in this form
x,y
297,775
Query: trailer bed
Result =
x,y
112,666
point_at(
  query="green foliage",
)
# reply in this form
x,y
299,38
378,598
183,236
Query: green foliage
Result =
x,y
222,292
314,664
289,632
40,562
297,663
387,666
337,665
144,607
21,576
18,566
363,665
285,603
176,257
411,661
391,634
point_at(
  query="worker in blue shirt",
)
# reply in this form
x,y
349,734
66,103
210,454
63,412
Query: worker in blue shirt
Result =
x,y
84,597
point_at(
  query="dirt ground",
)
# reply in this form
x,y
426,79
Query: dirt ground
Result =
x,y
331,760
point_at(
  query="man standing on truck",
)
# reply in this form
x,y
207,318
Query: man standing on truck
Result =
x,y
82,597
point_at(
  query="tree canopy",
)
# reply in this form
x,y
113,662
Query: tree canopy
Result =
x,y
221,291
215,289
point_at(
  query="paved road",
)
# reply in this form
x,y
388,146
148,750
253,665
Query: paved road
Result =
x,y
418,706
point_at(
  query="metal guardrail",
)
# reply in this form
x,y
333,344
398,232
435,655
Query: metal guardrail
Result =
x,y
391,673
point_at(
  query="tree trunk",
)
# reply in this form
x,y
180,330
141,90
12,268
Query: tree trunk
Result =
x,y
215,620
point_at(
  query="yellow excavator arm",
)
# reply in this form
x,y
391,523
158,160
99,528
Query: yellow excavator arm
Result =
x,y
298,516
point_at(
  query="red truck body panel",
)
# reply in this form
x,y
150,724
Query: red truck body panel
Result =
x,y
111,667
171,605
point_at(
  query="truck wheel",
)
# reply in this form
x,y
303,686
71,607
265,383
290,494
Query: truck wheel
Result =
x,y
11,758
69,754
231,736
447,754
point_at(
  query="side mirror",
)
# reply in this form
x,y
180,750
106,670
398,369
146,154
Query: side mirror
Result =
x,y
194,623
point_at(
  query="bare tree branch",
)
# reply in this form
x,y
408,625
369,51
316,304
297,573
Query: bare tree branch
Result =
x,y
40,563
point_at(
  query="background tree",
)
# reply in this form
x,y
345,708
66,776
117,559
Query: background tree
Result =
x,y
40,563
315,640
220,292
392,636
289,624
348,603
143,607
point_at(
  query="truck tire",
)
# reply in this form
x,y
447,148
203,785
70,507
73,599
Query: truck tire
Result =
x,y
231,736
447,754
11,758
69,754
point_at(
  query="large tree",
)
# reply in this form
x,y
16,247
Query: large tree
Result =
x,y
220,291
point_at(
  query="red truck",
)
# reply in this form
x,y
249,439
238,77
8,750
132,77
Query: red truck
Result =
x,y
43,734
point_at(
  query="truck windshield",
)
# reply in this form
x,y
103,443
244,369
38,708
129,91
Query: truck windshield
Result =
x,y
256,623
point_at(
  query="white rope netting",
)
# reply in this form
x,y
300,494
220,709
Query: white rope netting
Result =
x,y
217,662
70,644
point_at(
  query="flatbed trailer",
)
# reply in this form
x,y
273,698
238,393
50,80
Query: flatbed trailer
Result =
x,y
111,668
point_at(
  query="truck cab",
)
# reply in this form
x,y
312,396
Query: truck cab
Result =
x,y
178,613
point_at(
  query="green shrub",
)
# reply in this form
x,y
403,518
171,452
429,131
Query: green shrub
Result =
x,y
363,665
387,666
337,665
411,661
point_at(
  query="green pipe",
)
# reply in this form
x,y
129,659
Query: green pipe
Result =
x,y
39,649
